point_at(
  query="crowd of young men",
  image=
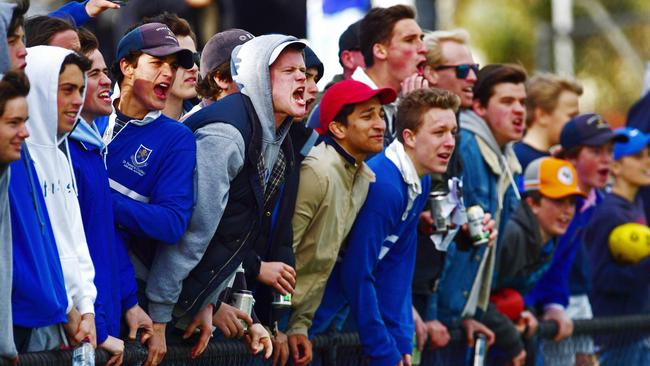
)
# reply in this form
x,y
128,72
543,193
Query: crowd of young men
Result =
x,y
166,188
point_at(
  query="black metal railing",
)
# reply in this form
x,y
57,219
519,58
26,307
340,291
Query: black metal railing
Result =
x,y
330,349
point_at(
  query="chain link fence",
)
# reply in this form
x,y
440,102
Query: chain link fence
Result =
x,y
610,341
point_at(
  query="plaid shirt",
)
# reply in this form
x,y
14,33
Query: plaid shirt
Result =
x,y
276,179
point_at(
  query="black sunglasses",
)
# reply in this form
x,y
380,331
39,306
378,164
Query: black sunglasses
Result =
x,y
196,57
462,70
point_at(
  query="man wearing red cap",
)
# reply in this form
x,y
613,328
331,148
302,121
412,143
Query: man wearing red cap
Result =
x,y
333,186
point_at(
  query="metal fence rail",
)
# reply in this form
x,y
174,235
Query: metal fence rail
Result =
x,y
330,349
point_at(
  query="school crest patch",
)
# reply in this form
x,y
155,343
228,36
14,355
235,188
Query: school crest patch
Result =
x,y
141,156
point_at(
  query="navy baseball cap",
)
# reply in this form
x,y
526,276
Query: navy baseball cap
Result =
x,y
588,129
154,39
636,141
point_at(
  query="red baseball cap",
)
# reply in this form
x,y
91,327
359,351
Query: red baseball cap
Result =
x,y
348,92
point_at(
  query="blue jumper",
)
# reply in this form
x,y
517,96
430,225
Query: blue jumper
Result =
x,y
375,273
150,168
114,276
38,298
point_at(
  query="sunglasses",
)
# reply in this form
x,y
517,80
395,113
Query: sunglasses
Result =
x,y
462,70
196,57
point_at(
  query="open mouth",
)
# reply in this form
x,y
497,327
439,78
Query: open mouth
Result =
x,y
298,96
603,173
72,115
191,80
160,90
105,96
420,68
468,90
444,156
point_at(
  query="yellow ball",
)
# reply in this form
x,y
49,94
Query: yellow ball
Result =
x,y
630,243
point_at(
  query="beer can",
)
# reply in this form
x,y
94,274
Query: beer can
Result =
x,y
416,356
475,216
281,301
480,349
244,301
440,222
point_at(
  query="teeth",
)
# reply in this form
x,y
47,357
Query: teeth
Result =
x,y
163,85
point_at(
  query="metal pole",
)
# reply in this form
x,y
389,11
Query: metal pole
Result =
x,y
562,14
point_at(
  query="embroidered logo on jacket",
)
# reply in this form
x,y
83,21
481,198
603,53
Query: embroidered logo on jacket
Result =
x,y
138,160
141,156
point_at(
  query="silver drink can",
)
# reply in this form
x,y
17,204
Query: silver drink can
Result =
x,y
281,301
244,301
475,222
440,222
480,349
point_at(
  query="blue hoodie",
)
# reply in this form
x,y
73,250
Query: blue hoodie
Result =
x,y
114,276
377,268
39,298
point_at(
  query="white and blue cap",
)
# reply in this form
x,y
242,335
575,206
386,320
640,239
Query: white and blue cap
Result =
x,y
636,141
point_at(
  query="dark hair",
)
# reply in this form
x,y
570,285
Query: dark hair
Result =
x,y
492,75
88,41
13,85
412,107
535,195
179,26
377,27
39,30
76,59
18,16
132,58
207,88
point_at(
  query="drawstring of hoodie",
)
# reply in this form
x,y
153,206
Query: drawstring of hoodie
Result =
x,y
510,176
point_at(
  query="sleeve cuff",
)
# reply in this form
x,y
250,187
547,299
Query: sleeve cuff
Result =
x,y
129,301
554,306
85,306
160,313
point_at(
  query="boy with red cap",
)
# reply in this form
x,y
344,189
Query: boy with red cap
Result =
x,y
334,182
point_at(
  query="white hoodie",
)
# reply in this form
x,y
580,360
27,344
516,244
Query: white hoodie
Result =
x,y
55,174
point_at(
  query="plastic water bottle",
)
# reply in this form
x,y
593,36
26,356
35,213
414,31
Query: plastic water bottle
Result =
x,y
83,355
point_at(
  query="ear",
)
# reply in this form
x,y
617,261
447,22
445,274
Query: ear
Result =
x,y
379,51
338,130
345,60
224,85
126,67
409,138
616,168
539,117
478,108
534,206
430,75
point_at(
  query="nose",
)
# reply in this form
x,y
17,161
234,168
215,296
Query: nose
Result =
x,y
23,133
421,48
166,69
104,80
379,124
471,76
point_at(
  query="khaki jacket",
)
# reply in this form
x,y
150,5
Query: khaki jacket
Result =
x,y
331,192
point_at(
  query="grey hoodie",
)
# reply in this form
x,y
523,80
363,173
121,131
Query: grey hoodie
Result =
x,y
7,347
219,158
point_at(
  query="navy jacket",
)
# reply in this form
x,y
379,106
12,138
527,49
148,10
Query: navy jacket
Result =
x,y
239,226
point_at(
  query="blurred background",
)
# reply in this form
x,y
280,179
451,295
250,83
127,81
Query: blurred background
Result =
x,y
603,43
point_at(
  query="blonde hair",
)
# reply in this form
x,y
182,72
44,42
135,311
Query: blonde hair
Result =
x,y
433,43
543,91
